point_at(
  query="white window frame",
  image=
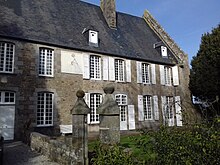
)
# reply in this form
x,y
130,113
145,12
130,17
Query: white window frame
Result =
x,y
122,101
167,75
145,73
119,70
94,104
95,67
46,62
43,109
148,107
169,107
7,95
7,51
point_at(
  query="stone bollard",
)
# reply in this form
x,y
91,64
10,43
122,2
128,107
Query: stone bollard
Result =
x,y
80,130
109,128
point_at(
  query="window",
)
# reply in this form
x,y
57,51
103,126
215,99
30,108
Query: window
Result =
x,y
46,61
121,100
95,101
93,38
169,106
95,67
45,109
147,104
119,70
7,97
145,73
7,51
167,75
164,51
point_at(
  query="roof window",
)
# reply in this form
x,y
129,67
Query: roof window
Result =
x,y
93,38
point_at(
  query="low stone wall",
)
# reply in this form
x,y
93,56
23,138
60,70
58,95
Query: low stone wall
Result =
x,y
56,150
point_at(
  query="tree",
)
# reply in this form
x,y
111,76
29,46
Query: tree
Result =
x,y
205,71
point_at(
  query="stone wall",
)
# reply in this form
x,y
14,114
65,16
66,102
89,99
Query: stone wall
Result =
x,y
26,83
56,150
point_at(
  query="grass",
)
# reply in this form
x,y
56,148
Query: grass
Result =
x,y
135,144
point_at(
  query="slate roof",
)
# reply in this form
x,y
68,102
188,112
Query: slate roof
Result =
x,y
61,23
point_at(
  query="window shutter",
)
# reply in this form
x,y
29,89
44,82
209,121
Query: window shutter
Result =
x,y
175,75
128,70
131,117
87,100
140,108
111,69
178,111
156,110
163,102
139,72
162,76
105,68
86,74
153,74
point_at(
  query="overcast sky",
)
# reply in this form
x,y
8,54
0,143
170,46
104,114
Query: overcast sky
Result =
x,y
184,20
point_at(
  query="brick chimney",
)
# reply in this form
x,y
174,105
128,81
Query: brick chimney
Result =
x,y
108,9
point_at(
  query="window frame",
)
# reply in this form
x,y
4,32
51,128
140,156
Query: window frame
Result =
x,y
122,102
146,74
119,70
148,107
5,51
45,111
97,65
169,107
3,97
167,75
93,109
45,66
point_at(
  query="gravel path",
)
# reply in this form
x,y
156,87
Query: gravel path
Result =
x,y
17,153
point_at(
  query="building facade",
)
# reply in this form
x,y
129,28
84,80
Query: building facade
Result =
x,y
51,49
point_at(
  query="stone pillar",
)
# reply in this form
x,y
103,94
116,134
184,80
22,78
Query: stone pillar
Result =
x,y
109,128
80,130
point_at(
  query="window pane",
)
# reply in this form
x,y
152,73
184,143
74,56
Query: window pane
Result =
x,y
119,70
95,100
6,57
45,62
147,102
45,109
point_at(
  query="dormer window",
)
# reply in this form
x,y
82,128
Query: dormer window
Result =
x,y
93,38
164,51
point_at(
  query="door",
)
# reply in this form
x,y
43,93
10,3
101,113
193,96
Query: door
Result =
x,y
7,114
168,110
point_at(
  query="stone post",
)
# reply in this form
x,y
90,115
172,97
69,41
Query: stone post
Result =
x,y
80,130
109,128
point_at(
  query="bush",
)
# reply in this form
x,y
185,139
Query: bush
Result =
x,y
111,155
198,145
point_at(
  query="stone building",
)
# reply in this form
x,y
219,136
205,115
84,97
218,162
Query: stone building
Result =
x,y
49,49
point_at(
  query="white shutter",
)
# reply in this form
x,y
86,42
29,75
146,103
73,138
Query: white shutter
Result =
x,y
178,111
140,108
86,66
128,70
163,102
87,100
111,69
105,68
131,117
153,74
175,75
162,76
156,110
139,72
